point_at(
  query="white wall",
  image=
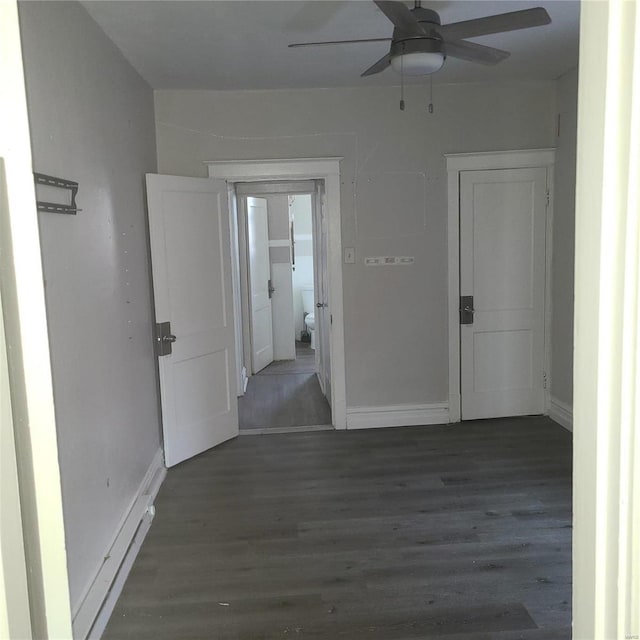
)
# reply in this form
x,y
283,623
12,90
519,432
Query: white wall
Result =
x,y
564,241
300,209
393,198
91,119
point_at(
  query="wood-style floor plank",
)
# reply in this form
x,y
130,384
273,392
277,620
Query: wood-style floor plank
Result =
x,y
455,532
285,394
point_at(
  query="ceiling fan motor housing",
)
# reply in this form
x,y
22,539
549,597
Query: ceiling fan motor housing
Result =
x,y
421,55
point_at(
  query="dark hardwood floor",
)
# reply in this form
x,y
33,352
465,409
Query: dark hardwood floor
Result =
x,y
285,394
456,532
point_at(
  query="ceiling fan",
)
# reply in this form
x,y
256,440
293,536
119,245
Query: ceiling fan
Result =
x,y
420,43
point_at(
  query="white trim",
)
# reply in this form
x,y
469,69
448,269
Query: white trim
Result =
x,y
548,309
15,619
235,290
91,616
295,187
486,160
265,431
606,441
280,243
29,368
267,170
327,169
242,305
457,162
399,415
561,412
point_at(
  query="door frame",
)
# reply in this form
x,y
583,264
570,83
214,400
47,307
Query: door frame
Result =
x,y
241,191
328,170
34,583
481,161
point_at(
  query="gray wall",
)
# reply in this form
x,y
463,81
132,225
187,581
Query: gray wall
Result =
x,y
394,198
563,241
91,120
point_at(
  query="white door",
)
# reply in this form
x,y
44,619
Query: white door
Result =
x,y
502,274
191,266
259,284
321,289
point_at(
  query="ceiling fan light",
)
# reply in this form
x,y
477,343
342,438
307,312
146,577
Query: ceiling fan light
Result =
x,y
420,63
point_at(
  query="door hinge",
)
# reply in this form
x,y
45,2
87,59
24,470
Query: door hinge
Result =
x,y
548,197
544,379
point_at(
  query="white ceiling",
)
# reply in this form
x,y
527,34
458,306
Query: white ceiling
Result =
x,y
241,44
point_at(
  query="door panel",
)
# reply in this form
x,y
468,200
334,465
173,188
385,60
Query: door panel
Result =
x,y
259,277
191,266
284,331
502,265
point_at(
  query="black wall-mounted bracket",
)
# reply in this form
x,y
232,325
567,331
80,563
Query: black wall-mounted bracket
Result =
x,y
60,183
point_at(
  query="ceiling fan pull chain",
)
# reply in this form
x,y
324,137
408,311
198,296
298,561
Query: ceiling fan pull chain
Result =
x,y
402,79
431,93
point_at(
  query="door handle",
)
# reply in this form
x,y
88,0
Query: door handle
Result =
x,y
321,305
466,310
164,338
270,288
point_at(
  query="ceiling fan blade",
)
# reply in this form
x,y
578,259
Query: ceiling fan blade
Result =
x,y
494,24
473,52
401,17
319,44
377,67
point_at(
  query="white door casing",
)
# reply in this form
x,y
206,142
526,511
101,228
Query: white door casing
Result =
x,y
191,267
241,372
259,274
321,293
502,266
480,161
328,170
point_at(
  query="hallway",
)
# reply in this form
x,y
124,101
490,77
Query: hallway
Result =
x,y
285,394
455,532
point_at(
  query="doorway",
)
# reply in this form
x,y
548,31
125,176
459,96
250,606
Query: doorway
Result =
x,y
500,221
326,170
282,272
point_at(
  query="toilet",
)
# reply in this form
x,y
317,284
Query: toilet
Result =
x,y
308,307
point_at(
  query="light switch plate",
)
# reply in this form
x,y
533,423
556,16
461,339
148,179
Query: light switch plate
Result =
x,y
349,255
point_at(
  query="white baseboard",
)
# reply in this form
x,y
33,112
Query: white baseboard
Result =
x,y
262,431
402,415
561,412
92,614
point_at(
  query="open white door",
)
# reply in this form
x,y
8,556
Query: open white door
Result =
x,y
502,286
259,284
321,288
191,266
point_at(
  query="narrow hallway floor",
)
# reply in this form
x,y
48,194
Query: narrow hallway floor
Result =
x,y
442,532
285,394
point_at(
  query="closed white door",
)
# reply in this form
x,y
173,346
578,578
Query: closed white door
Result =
x,y
191,265
502,286
321,289
259,284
